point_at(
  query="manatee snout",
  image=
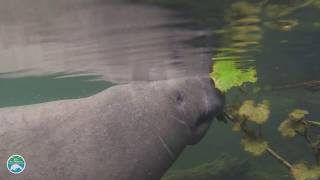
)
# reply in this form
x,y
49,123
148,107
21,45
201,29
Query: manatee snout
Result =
x,y
214,106
200,105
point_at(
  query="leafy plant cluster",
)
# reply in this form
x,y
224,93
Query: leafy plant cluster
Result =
x,y
242,36
234,67
253,141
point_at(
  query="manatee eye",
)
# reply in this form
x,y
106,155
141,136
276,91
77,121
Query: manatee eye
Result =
x,y
179,97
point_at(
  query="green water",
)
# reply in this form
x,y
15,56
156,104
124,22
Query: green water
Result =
x,y
38,89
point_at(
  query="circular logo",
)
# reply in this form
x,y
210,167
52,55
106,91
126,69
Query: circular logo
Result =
x,y
16,164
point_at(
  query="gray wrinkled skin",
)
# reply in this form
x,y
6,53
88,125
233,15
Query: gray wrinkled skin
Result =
x,y
127,132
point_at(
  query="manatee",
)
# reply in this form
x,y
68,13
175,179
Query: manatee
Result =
x,y
131,131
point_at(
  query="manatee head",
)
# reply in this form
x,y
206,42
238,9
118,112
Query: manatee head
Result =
x,y
196,102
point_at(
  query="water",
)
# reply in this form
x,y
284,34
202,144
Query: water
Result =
x,y
61,50
116,40
37,89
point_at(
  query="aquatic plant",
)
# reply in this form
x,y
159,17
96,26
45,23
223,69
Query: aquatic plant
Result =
x,y
301,171
234,68
243,36
255,146
256,113
234,62
254,142
226,74
294,124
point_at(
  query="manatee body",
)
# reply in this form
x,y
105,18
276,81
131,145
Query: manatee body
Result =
x,y
127,132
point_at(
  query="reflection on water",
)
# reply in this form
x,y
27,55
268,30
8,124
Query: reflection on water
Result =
x,y
117,40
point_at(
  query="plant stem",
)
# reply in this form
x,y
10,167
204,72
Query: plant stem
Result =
x,y
313,123
279,158
311,84
243,125
271,152
311,144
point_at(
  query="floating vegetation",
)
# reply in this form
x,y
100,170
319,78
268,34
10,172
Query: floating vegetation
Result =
x,y
227,74
241,37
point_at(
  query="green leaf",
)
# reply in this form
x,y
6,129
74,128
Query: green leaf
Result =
x,y
226,74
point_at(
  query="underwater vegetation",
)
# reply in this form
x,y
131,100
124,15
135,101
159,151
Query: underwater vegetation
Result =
x,y
247,114
243,37
241,40
234,61
234,65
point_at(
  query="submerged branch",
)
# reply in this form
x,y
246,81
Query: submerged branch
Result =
x,y
279,158
247,131
312,145
312,85
313,123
